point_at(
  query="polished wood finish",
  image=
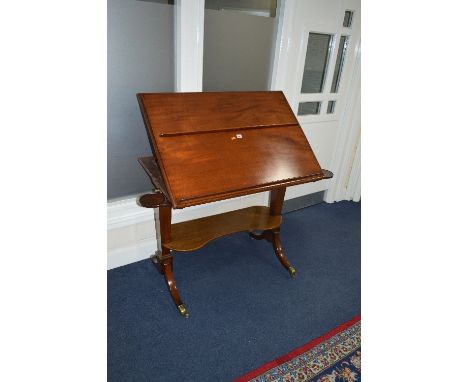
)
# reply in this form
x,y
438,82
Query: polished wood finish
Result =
x,y
272,234
276,200
273,237
163,260
152,200
214,146
152,169
194,234
175,113
223,165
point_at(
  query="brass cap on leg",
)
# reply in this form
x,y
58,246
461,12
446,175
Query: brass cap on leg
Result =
x,y
182,310
292,271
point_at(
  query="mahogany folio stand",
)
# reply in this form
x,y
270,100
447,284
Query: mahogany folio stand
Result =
x,y
214,146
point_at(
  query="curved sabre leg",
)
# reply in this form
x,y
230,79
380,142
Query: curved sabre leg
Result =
x,y
164,264
274,239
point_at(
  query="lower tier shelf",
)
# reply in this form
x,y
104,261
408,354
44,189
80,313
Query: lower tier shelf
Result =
x,y
194,234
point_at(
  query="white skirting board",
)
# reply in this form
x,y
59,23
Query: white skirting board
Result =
x,y
131,234
118,257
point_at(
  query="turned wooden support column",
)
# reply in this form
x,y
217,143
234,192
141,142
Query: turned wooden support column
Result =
x,y
163,216
276,200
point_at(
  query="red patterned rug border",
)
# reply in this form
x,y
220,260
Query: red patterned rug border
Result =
x,y
294,353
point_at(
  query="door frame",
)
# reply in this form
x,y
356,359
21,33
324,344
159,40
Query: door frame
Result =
x,y
189,25
347,156
346,164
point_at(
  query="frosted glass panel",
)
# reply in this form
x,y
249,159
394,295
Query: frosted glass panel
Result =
x,y
309,108
316,62
236,58
339,63
140,58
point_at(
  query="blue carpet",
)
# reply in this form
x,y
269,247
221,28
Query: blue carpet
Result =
x,y
244,307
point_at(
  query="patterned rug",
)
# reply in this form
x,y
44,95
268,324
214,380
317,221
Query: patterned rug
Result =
x,y
333,357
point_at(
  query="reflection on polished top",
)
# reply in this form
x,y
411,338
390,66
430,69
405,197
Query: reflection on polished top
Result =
x,y
213,146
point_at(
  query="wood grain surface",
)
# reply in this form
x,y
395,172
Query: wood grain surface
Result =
x,y
173,113
213,146
194,234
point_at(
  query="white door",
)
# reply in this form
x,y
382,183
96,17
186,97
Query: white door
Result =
x,y
317,58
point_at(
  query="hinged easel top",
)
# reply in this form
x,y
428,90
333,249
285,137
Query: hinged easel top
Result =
x,y
217,145
179,113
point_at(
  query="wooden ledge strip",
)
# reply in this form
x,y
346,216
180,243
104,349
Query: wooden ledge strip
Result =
x,y
266,186
240,128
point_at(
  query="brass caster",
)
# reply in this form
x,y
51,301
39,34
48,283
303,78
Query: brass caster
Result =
x,y
292,271
182,310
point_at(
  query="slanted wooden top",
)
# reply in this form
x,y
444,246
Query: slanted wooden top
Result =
x,y
213,146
